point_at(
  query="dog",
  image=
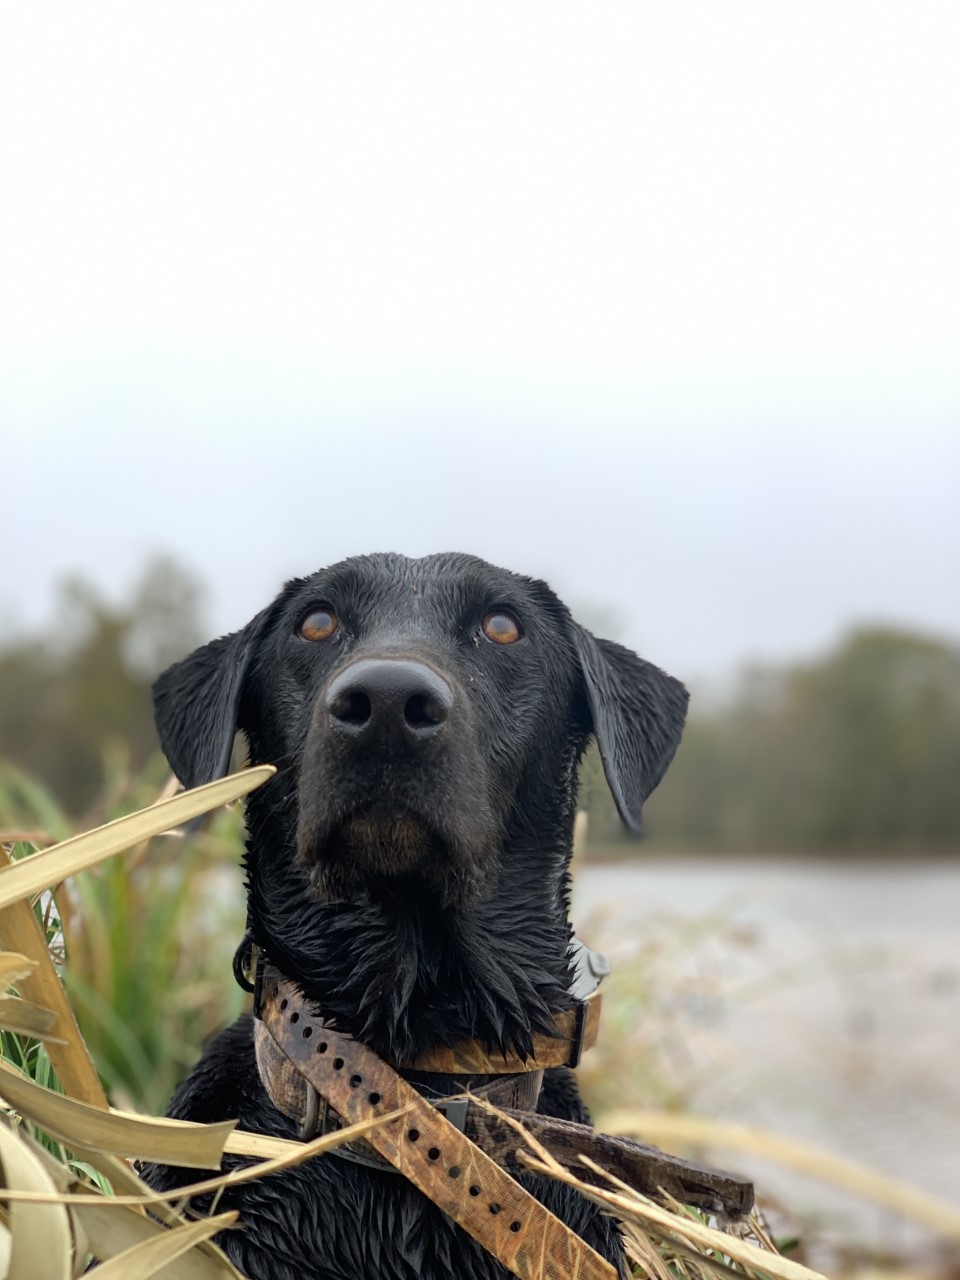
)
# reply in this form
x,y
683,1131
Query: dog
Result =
x,y
408,865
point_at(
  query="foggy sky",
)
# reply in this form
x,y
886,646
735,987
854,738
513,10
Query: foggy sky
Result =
x,y
659,303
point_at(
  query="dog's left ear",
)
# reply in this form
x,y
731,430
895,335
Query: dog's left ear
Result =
x,y
638,713
196,704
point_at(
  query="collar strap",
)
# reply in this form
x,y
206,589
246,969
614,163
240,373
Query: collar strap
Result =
x,y
337,1070
293,1095
575,1031
461,1179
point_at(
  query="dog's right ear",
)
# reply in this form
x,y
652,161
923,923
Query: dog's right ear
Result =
x,y
196,704
638,713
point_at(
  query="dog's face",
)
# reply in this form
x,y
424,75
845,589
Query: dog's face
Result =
x,y
417,710
412,694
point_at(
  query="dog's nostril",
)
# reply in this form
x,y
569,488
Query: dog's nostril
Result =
x,y
387,701
423,711
351,707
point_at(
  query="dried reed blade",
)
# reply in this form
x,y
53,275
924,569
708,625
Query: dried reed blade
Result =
x,y
669,1129
143,1260
20,933
259,1145
26,1019
641,1249
110,1232
241,1142
14,967
306,1151
683,1253
195,1146
41,1237
635,1206
41,871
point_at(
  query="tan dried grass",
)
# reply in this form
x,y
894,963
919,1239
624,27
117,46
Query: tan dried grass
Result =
x,y
53,1219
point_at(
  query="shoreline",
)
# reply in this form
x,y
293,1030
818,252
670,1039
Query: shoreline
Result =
x,y
646,854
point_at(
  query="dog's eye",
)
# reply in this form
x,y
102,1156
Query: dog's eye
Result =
x,y
500,627
319,625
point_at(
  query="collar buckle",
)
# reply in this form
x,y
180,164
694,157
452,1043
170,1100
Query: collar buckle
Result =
x,y
259,961
576,1040
455,1109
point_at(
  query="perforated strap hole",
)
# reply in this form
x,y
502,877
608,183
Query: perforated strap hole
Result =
x,y
514,1226
434,1153
294,1017
283,1005
322,1047
454,1171
307,1032
373,1099
413,1135
474,1190
356,1082
337,1064
494,1208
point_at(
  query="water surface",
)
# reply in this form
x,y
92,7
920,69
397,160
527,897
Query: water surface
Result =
x,y
821,1000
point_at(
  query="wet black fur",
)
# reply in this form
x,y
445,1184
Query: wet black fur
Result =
x,y
471,939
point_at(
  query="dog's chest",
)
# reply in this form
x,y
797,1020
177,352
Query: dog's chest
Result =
x,y
334,1220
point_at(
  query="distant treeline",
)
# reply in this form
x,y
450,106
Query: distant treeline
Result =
x,y
76,696
857,752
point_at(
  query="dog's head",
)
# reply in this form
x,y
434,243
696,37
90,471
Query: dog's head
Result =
x,y
422,713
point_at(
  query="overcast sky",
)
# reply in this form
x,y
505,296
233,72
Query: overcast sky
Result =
x,y
660,301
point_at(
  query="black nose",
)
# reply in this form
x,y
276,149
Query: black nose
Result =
x,y
390,698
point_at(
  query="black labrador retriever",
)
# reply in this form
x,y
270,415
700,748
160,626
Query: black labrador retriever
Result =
x,y
408,864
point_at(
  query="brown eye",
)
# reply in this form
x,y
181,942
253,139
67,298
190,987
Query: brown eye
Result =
x,y
319,625
500,627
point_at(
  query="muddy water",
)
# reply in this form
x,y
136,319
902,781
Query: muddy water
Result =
x,y
820,1000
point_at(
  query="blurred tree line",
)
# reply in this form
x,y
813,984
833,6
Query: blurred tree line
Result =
x,y
81,688
858,751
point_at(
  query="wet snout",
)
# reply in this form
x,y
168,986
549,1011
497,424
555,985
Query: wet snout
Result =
x,y
394,782
393,702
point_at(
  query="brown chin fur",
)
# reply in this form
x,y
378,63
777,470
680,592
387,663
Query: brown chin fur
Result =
x,y
389,844
394,847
